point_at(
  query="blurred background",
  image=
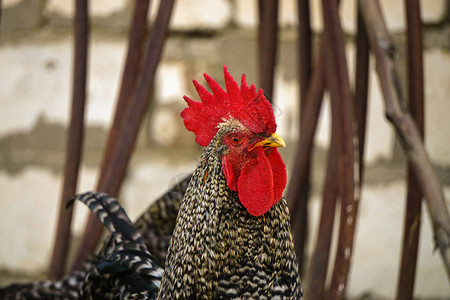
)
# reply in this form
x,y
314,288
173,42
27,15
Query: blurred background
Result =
x,y
36,54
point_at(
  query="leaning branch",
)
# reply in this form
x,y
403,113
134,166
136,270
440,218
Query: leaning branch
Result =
x,y
400,117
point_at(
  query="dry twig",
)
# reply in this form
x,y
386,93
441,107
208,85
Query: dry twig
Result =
x,y
407,131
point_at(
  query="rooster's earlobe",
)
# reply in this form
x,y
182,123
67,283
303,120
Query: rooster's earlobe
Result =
x,y
228,172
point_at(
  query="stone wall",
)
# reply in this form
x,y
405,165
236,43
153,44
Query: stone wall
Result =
x,y
36,49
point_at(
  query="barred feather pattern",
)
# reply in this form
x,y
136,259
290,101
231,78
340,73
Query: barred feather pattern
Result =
x,y
218,250
66,288
112,215
127,268
155,225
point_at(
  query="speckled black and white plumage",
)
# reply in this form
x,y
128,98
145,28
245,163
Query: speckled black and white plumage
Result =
x,y
155,225
127,268
220,251
66,288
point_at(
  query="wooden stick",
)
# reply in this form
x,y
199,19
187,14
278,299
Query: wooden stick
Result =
x,y
1,11
298,189
74,140
305,51
361,87
268,42
136,40
139,100
347,144
133,62
407,130
299,177
405,288
320,258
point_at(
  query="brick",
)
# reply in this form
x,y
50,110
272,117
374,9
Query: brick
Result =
x,y
105,73
378,242
8,3
28,12
246,15
97,8
170,82
432,11
27,232
165,126
151,178
286,108
40,84
378,128
192,15
437,106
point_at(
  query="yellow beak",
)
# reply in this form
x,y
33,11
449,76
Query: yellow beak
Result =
x,y
273,141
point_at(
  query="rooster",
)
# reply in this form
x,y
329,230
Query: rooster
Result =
x,y
232,234
232,237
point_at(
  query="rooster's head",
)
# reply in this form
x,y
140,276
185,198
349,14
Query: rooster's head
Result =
x,y
251,163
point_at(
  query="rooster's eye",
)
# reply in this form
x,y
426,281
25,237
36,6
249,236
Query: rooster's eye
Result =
x,y
235,140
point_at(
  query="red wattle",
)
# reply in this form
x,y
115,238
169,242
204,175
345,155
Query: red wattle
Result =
x,y
255,185
278,174
260,183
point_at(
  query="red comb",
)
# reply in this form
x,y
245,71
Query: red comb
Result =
x,y
245,104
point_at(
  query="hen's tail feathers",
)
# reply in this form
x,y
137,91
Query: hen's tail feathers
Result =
x,y
128,269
